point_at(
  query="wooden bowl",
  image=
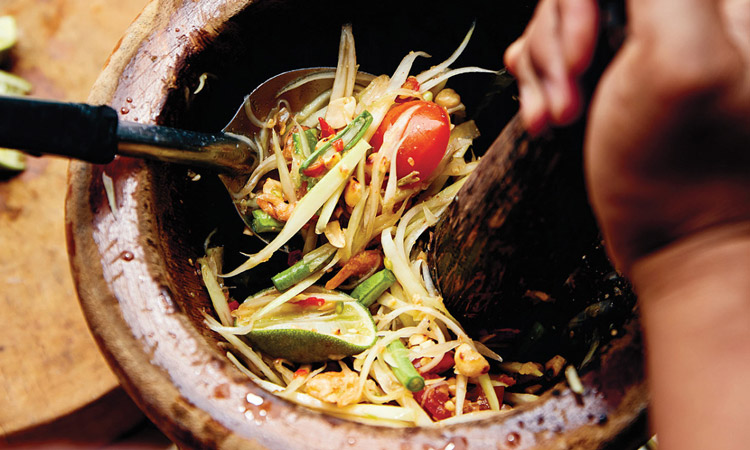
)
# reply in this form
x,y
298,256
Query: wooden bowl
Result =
x,y
134,262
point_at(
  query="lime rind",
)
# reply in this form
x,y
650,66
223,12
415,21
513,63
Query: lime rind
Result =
x,y
12,160
307,334
10,84
13,85
8,35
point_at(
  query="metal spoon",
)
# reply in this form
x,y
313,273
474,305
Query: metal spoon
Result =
x,y
95,134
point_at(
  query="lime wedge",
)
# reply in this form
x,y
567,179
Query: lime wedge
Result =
x,y
318,330
13,85
10,84
8,35
12,160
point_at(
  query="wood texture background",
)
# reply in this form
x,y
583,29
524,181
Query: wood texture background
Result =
x,y
54,384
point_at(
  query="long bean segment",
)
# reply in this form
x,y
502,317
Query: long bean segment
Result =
x,y
350,135
403,368
309,264
373,287
264,223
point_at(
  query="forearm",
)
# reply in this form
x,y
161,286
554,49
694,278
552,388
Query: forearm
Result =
x,y
695,303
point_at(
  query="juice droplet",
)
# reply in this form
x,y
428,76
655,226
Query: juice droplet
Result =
x,y
513,439
124,110
253,399
129,100
127,255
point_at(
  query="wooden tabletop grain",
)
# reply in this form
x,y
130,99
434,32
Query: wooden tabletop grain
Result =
x,y
54,384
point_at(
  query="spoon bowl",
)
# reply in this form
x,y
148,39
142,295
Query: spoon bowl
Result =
x,y
258,105
267,95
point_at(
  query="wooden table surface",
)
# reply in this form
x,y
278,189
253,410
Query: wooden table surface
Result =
x,y
54,384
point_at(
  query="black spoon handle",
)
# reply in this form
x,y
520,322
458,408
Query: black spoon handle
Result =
x,y
94,134
75,130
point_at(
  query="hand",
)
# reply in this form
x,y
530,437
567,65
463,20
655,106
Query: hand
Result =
x,y
667,161
668,139
547,60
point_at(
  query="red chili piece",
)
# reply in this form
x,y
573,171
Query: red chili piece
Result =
x,y
412,84
315,169
310,301
325,129
505,379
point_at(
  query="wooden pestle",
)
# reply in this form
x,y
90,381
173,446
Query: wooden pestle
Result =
x,y
519,248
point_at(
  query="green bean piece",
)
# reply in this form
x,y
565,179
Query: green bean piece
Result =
x,y
264,223
309,264
403,368
351,134
373,287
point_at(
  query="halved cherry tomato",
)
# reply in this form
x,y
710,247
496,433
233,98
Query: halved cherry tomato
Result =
x,y
446,362
427,135
433,399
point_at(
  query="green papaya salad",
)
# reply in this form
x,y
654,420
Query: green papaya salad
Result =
x,y
355,327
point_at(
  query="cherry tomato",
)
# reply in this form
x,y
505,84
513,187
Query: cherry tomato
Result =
x,y
427,135
434,398
446,362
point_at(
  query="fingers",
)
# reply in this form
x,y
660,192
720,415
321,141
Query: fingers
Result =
x,y
532,96
555,49
578,29
547,53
